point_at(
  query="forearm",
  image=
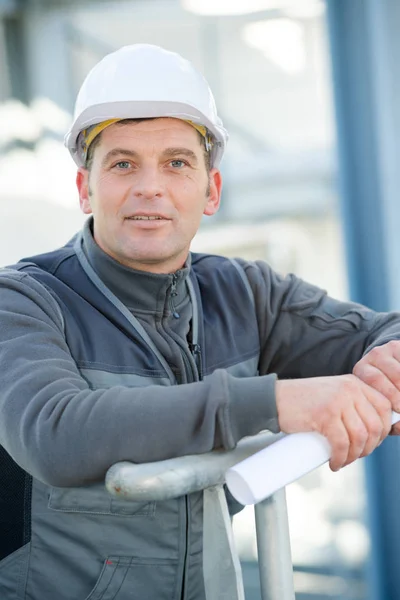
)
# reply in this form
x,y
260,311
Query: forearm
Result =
x,y
65,435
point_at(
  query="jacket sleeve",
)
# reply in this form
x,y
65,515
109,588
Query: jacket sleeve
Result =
x,y
306,333
66,434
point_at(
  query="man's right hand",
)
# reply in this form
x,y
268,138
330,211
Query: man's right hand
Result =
x,y
354,417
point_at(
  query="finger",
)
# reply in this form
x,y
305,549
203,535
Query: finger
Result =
x,y
380,392
357,433
374,425
384,377
389,366
337,435
382,406
387,360
393,348
389,349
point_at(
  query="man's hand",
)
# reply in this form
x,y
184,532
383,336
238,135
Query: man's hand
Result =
x,y
380,369
352,415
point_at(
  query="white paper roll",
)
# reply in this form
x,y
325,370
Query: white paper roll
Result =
x,y
257,477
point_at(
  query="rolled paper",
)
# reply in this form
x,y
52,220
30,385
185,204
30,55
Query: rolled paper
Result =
x,y
265,472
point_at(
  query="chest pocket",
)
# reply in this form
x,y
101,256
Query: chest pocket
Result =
x,y
95,499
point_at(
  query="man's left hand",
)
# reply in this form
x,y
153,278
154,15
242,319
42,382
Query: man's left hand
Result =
x,y
380,369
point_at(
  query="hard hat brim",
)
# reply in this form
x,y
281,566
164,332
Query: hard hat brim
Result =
x,y
142,110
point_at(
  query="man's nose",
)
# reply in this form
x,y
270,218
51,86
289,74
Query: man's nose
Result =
x,y
148,183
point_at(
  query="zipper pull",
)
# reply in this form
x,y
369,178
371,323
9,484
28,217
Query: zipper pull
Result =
x,y
196,353
173,294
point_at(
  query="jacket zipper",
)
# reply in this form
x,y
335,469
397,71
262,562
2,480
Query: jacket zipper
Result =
x,y
196,353
193,372
172,295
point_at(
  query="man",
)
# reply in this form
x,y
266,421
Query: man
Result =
x,y
124,346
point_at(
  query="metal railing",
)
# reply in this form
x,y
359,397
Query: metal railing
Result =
x,y
176,477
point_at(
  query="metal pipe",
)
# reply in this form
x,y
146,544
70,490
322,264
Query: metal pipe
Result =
x,y
176,477
179,476
273,545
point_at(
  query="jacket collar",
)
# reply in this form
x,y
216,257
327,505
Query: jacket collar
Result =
x,y
138,290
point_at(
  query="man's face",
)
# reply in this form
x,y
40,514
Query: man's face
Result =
x,y
148,189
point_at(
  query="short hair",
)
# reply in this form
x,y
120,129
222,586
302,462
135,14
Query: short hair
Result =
x,y
96,141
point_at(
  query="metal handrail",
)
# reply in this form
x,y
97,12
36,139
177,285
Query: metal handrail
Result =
x,y
176,477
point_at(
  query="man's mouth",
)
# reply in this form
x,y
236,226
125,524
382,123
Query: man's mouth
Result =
x,y
146,218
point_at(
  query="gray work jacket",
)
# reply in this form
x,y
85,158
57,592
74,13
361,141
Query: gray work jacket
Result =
x,y
99,363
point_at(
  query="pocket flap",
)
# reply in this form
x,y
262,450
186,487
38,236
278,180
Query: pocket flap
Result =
x,y
95,499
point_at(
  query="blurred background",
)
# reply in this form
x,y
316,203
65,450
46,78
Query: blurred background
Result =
x,y
309,91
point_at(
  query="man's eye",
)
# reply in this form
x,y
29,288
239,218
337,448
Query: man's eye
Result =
x,y
178,164
123,164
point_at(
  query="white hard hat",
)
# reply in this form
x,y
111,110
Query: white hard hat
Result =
x,y
144,81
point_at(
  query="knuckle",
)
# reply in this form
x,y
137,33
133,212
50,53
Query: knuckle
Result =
x,y
341,446
370,357
358,368
373,378
385,408
373,355
375,429
375,352
392,394
393,402
359,435
348,386
394,344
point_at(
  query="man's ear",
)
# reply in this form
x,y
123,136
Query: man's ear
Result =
x,y
214,196
82,183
